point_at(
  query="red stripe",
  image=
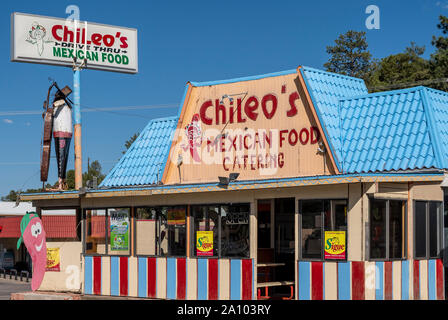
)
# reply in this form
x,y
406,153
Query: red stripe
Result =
x,y
246,279
62,134
97,275
388,280
213,279
123,276
181,278
358,275
439,280
317,277
152,277
416,280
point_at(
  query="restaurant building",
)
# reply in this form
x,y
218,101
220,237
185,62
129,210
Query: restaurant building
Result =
x,y
294,185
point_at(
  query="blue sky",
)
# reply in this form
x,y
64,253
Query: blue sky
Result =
x,y
181,41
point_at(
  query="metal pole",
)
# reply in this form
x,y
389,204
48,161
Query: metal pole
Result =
x,y
77,122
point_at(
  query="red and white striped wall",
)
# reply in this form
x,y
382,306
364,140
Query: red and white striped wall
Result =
x,y
234,279
360,280
170,278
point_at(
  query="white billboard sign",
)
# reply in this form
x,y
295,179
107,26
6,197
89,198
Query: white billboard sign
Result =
x,y
54,41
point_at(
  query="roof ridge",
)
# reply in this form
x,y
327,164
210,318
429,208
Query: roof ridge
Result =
x,y
383,93
320,119
239,79
165,118
436,90
433,132
333,73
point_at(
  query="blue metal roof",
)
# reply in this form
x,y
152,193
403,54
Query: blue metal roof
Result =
x,y
326,89
395,130
387,131
144,162
438,100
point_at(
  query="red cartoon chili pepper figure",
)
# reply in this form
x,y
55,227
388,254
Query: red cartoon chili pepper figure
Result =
x,y
34,237
194,135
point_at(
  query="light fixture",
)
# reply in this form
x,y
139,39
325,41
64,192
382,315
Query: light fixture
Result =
x,y
179,160
233,176
226,96
179,163
321,148
224,181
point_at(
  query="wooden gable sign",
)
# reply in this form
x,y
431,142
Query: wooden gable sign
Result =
x,y
260,128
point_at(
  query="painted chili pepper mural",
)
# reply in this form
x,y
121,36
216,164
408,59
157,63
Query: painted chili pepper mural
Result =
x,y
194,135
34,237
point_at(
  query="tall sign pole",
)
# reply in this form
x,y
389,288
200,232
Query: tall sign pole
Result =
x,y
77,103
77,122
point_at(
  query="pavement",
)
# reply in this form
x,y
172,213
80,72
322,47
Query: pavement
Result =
x,y
11,289
9,286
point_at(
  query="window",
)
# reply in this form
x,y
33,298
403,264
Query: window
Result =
x,y
428,229
264,223
161,231
62,224
116,222
387,229
95,231
220,230
316,217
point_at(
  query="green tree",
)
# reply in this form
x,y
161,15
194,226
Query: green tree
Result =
x,y
349,55
439,59
93,170
400,70
12,196
70,179
129,142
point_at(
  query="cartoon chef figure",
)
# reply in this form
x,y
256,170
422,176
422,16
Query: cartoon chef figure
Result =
x,y
36,36
34,237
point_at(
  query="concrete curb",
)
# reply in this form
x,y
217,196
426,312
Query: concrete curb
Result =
x,y
45,296
50,295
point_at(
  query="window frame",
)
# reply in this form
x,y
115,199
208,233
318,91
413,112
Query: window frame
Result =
x,y
322,258
157,221
192,230
79,219
106,237
440,229
405,231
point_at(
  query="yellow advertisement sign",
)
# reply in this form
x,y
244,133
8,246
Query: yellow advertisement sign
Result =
x,y
335,245
204,243
53,260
